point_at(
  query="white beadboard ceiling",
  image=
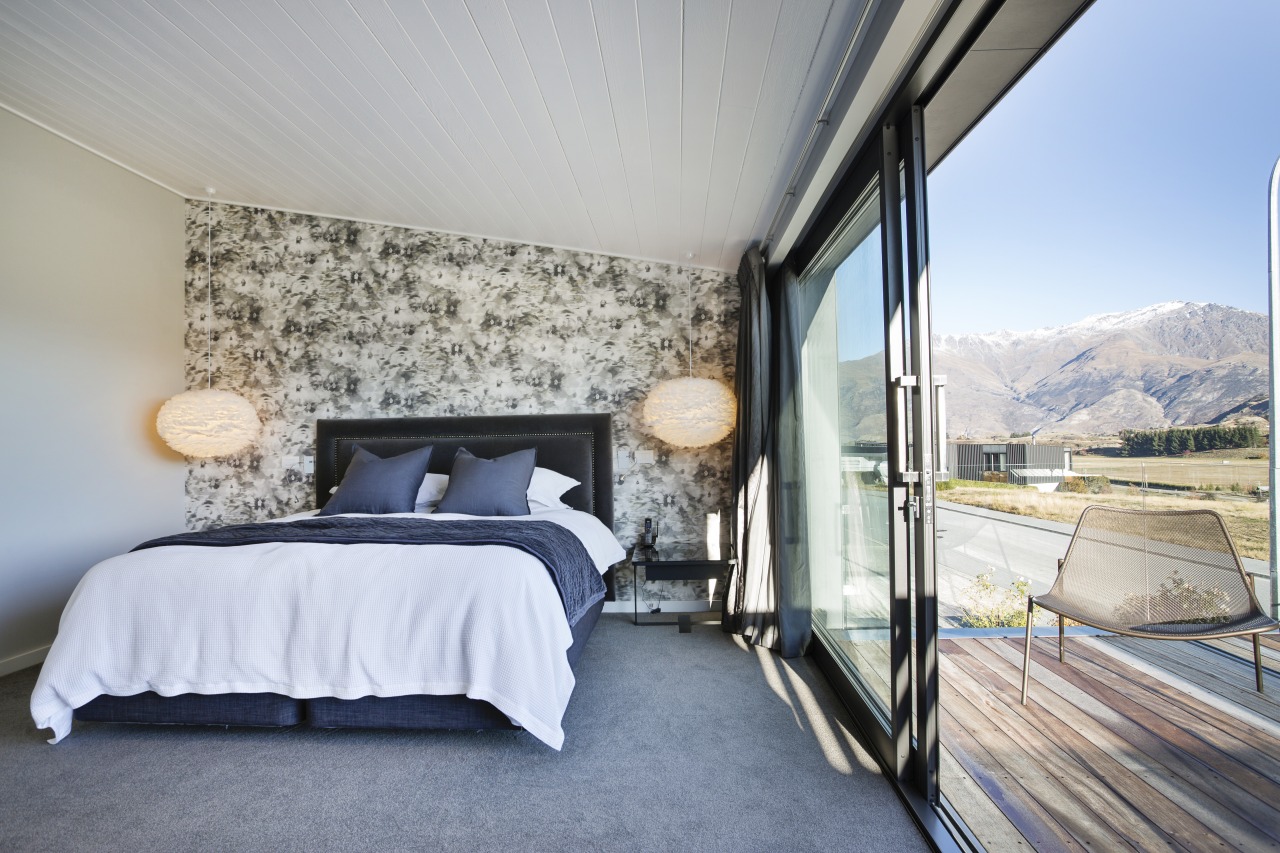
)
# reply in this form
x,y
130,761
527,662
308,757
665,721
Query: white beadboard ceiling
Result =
x,y
655,129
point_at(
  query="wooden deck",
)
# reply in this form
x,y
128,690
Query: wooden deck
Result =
x,y
1132,744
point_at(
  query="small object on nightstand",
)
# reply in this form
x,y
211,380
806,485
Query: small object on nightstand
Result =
x,y
648,541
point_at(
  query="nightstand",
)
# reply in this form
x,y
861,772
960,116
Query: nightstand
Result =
x,y
683,566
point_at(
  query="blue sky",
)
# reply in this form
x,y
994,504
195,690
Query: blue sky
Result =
x,y
1128,167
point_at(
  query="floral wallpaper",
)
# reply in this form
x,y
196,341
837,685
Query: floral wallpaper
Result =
x,y
328,318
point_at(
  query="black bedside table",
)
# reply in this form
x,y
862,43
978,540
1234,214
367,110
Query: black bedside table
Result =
x,y
676,569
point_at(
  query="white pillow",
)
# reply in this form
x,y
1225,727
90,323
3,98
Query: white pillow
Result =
x,y
547,486
545,489
430,492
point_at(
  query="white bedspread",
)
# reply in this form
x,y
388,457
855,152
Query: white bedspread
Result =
x,y
309,620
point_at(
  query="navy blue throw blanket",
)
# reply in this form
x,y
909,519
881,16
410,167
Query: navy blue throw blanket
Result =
x,y
564,555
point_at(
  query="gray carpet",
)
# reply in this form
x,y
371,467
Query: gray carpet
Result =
x,y
673,741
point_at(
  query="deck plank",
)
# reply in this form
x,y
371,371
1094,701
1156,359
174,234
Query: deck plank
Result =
x,y
1108,756
1048,816
1108,760
1182,781
1062,754
1200,753
983,817
1242,647
1205,668
1224,730
1037,827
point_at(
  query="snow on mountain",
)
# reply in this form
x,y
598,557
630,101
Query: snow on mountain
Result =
x,y
1167,364
1093,325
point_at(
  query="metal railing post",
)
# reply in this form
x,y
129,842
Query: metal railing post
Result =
x,y
1273,294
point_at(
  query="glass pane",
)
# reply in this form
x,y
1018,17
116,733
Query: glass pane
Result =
x,y
846,458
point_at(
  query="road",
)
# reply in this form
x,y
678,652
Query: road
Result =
x,y
972,541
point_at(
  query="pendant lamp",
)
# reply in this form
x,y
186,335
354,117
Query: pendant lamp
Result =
x,y
689,411
207,422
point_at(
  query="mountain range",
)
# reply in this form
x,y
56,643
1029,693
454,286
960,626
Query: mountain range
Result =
x,y
1171,364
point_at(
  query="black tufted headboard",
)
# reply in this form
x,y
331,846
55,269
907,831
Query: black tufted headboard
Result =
x,y
578,446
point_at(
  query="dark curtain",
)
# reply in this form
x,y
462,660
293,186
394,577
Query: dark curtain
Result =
x,y
751,601
796,306
767,600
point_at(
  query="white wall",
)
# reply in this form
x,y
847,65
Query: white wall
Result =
x,y
91,343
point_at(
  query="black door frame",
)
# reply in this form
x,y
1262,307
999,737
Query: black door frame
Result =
x,y
892,746
909,757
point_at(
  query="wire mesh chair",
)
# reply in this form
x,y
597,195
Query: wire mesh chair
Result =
x,y
1156,574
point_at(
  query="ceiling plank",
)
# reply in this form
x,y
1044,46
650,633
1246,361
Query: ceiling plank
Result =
x,y
751,34
576,35
660,33
496,24
617,31
654,129
539,42
314,58
703,53
790,96
156,106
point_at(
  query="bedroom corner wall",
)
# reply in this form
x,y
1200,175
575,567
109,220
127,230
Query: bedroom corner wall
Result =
x,y
322,318
91,264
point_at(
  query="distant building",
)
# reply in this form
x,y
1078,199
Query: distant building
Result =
x,y
1019,463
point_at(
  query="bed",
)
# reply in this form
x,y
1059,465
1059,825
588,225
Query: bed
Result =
x,y
473,636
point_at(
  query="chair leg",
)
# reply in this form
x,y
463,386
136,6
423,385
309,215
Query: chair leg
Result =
x,y
1257,659
1062,645
1026,649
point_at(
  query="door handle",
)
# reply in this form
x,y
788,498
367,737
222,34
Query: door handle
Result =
x,y
940,419
905,474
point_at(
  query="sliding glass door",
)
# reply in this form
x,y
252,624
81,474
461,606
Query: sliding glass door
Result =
x,y
847,456
871,456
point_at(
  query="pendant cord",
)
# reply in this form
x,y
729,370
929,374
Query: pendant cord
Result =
x,y
689,310
208,316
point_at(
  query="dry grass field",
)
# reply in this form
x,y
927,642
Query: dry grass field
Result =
x,y
1248,521
1195,471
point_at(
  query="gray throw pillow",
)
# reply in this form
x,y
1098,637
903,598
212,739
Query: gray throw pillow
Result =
x,y
489,486
378,486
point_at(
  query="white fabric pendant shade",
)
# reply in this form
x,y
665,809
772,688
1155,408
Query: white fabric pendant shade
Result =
x,y
207,422
690,412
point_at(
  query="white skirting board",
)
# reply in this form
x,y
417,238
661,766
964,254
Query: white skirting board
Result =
x,y
23,660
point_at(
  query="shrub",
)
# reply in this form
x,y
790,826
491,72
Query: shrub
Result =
x,y
1098,485
1176,598
986,605
1090,485
1074,485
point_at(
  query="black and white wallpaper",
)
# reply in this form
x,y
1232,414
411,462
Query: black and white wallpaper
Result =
x,y
315,317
